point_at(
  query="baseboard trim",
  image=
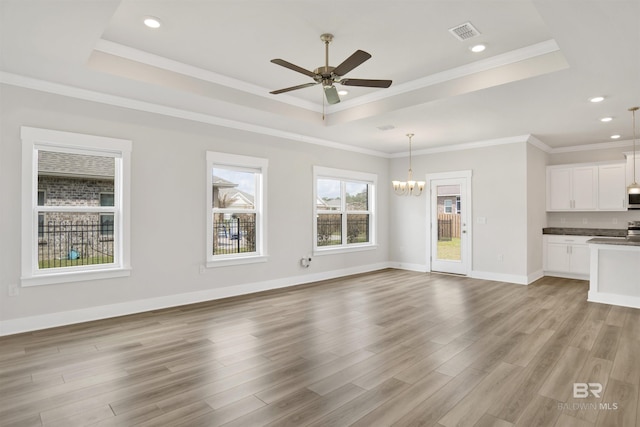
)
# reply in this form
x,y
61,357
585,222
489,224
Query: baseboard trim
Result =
x,y
614,299
500,277
567,275
64,318
421,268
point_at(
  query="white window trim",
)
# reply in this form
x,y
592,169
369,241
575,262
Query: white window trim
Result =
x,y
236,161
321,172
32,138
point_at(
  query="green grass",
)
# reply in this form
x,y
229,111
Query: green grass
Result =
x,y
56,263
449,250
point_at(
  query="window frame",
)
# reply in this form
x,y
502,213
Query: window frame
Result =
x,y
241,163
445,207
344,176
35,139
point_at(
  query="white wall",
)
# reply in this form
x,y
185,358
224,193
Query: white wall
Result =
x,y
499,186
168,211
536,209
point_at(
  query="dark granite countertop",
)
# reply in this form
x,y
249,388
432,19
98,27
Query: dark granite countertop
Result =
x,y
604,232
612,241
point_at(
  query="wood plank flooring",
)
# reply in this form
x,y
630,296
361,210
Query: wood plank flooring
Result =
x,y
389,348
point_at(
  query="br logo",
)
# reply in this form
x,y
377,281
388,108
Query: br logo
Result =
x,y
583,390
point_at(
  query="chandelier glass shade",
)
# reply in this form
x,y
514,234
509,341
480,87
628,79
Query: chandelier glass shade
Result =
x,y
410,187
634,187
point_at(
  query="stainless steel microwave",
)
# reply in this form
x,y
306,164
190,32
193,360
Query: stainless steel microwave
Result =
x,y
634,201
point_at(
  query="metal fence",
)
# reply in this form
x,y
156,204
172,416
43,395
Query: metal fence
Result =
x,y
329,229
67,244
235,235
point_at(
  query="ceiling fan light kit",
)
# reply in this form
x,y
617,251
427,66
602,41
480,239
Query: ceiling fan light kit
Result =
x,y
328,75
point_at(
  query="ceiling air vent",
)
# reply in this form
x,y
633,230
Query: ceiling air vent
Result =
x,y
464,31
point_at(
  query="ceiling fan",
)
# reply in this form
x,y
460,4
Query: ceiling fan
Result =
x,y
328,75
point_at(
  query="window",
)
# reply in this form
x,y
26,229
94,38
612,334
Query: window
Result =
x,y
236,209
344,210
75,207
448,206
106,219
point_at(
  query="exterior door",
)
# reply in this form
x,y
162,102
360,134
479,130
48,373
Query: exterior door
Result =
x,y
450,210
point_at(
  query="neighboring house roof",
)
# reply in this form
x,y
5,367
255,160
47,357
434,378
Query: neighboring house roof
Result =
x,y
222,183
75,165
240,199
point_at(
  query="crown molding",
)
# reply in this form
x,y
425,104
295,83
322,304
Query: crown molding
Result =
x,y
126,52
496,61
589,147
466,146
119,101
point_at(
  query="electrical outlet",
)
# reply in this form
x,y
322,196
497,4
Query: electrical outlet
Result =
x,y
615,221
500,257
584,220
13,290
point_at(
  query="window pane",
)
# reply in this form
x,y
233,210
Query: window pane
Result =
x,y
234,233
329,229
233,189
328,195
106,199
66,179
357,196
357,228
106,224
68,239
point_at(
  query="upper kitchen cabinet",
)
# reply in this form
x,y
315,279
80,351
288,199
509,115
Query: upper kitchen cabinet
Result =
x,y
586,187
612,193
572,188
630,159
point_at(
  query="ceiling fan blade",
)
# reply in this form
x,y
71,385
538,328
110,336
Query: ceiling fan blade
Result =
x,y
288,89
293,67
332,94
358,57
366,82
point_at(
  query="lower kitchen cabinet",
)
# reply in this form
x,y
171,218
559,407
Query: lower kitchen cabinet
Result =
x,y
566,256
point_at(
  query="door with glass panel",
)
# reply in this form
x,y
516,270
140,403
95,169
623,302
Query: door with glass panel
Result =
x,y
450,213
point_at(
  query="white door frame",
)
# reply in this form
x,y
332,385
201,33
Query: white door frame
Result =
x,y
467,244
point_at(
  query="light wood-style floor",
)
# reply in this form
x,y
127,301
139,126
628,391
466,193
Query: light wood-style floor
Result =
x,y
390,348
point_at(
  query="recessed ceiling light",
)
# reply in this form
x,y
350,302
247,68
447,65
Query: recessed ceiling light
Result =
x,y
606,119
478,48
386,127
615,136
597,99
152,22
343,92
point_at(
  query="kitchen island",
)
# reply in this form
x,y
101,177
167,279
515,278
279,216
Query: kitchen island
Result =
x,y
614,271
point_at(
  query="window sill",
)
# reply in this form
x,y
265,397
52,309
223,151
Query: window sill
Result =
x,y
343,249
73,276
225,262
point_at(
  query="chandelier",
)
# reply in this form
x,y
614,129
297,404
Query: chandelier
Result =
x,y
634,187
408,187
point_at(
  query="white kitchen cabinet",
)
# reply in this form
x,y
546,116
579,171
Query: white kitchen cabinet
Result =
x,y
630,160
566,256
612,187
572,188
